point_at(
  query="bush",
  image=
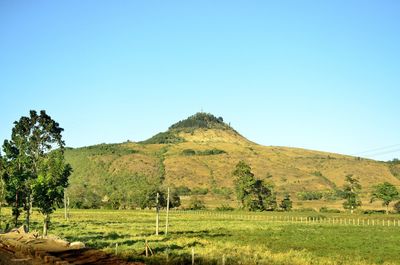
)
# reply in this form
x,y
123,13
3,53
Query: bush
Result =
x,y
396,207
191,152
196,204
328,210
309,195
164,138
199,191
183,190
211,152
188,152
374,212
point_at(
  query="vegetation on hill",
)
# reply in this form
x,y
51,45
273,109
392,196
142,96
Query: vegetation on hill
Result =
x,y
197,157
200,120
168,137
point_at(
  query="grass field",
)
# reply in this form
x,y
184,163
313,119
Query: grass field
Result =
x,y
235,237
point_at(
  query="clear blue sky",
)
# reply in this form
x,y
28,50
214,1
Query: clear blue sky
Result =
x,y
321,75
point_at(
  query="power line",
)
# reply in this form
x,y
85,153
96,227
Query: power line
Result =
x,y
376,149
384,153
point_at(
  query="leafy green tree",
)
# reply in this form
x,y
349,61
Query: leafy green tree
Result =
x,y
350,193
253,194
244,183
385,192
286,203
48,188
33,141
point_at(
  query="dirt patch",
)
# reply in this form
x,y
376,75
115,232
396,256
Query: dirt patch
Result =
x,y
20,248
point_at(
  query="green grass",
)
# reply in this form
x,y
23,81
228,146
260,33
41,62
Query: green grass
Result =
x,y
241,238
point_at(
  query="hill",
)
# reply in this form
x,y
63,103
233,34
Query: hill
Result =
x,y
197,156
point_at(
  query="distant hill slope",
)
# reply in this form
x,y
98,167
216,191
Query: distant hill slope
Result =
x,y
202,151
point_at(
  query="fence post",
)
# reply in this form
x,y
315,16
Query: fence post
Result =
x,y
146,246
167,217
192,256
157,213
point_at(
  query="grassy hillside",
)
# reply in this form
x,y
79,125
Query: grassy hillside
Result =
x,y
201,152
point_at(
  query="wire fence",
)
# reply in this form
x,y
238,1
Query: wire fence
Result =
x,y
359,221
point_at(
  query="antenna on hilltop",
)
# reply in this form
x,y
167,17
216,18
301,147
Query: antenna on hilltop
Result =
x,y
201,110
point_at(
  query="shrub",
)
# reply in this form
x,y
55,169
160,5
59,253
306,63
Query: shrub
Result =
x,y
196,204
328,210
396,207
309,195
188,152
211,152
199,191
373,211
183,190
164,138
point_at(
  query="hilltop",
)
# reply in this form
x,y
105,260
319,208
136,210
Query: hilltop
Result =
x,y
198,155
179,131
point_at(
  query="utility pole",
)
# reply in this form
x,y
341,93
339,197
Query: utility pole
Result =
x,y
157,213
166,220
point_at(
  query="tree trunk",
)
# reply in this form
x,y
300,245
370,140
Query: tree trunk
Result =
x,y
28,211
16,210
46,224
387,208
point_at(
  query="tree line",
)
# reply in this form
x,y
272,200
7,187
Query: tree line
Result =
x,y
34,174
256,195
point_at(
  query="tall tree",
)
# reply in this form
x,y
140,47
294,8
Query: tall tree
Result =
x,y
286,203
33,141
253,194
244,183
386,192
48,188
351,193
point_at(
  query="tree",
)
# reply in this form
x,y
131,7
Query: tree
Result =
x,y
48,189
34,156
350,193
286,203
244,182
253,194
385,192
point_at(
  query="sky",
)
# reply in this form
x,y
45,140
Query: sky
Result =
x,y
321,75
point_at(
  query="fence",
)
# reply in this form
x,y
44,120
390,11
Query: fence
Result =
x,y
295,219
